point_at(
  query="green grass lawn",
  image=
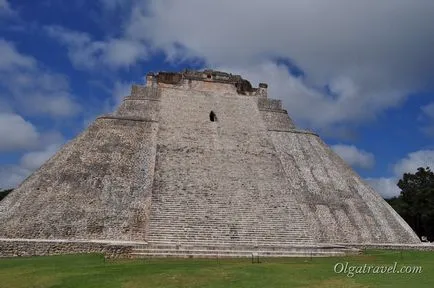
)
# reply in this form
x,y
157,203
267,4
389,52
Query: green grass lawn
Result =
x,y
93,271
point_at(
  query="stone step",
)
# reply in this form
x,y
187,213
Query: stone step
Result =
x,y
203,248
140,91
167,218
221,227
239,227
214,201
270,220
189,223
164,215
219,231
180,237
223,235
243,243
208,232
236,251
203,223
216,237
228,241
211,206
247,254
216,211
207,248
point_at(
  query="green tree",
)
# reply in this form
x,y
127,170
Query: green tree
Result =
x,y
4,192
415,204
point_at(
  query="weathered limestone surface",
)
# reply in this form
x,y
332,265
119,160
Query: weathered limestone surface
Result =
x,y
98,186
12,248
159,170
334,199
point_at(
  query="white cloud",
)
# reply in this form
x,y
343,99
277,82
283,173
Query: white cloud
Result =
x,y
311,107
5,7
50,138
33,90
122,52
428,110
11,59
16,133
12,175
84,52
428,117
4,4
386,187
414,160
369,55
120,90
354,156
328,40
57,104
33,160
113,4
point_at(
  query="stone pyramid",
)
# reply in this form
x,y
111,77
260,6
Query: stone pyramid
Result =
x,y
202,159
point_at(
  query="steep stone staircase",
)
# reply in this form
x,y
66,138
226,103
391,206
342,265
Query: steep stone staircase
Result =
x,y
170,229
185,230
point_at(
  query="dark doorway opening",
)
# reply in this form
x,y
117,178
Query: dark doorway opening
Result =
x,y
212,116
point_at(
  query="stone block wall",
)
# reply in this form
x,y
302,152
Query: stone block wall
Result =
x,y
13,248
144,103
142,92
269,104
202,86
277,120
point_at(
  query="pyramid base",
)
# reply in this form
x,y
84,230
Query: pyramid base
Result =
x,y
199,249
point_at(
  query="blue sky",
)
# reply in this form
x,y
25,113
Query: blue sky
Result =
x,y
359,74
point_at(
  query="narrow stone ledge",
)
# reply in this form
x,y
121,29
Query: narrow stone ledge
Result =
x,y
206,91
295,131
127,118
140,98
275,110
391,246
97,241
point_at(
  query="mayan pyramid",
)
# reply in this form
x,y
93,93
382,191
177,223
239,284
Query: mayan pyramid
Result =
x,y
200,159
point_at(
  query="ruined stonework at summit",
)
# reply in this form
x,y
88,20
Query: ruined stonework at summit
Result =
x,y
199,157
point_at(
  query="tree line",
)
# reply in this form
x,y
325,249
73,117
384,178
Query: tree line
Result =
x,y
4,192
415,203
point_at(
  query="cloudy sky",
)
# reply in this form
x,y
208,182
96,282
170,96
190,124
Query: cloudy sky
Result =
x,y
360,73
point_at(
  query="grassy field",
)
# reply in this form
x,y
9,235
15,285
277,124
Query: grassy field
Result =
x,y
94,271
